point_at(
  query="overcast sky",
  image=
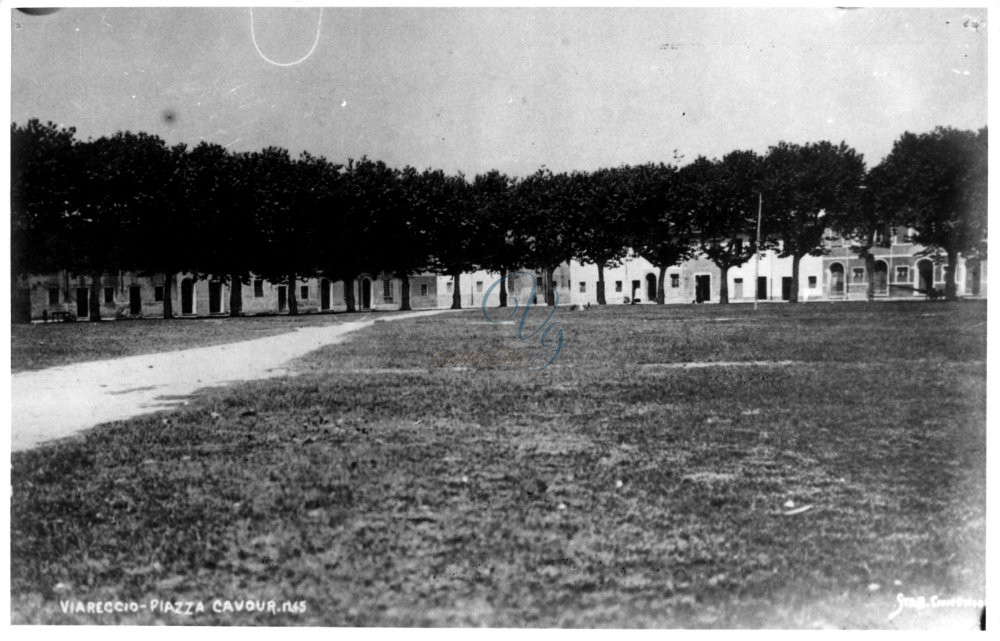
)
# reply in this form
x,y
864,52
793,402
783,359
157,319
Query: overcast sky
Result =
x,y
513,89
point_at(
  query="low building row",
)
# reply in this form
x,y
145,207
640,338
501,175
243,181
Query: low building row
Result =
x,y
901,271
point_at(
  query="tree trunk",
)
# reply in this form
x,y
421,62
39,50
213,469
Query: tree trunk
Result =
x,y
600,285
235,295
404,303
870,270
503,288
95,297
724,285
793,295
293,301
661,292
456,294
168,295
950,289
550,295
349,301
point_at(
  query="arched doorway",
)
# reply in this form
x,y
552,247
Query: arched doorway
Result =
x,y
650,287
836,279
187,296
881,278
324,295
925,275
366,294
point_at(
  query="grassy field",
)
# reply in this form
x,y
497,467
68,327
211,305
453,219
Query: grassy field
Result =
x,y
40,345
616,488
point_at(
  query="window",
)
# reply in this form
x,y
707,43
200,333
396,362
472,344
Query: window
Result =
x,y
583,287
618,286
881,234
258,288
387,288
109,294
858,275
812,282
158,294
902,274
450,287
53,295
423,289
675,280
304,292
938,273
479,286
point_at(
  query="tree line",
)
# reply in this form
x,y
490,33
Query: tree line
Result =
x,y
131,202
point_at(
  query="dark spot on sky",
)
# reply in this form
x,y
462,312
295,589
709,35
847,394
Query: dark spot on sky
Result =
x,y
170,116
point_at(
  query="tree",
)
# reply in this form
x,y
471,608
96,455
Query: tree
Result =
x,y
492,203
549,207
937,181
127,194
661,227
602,234
452,228
404,222
43,182
221,197
275,182
866,223
802,184
722,197
322,213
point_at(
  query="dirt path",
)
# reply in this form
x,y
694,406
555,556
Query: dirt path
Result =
x,y
60,401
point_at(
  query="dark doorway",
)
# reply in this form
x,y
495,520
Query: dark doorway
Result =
x,y
881,278
134,300
282,298
324,294
215,297
187,296
703,288
925,269
836,279
82,302
786,288
366,294
636,285
650,287
762,288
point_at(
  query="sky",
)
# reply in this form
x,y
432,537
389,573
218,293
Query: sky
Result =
x,y
473,89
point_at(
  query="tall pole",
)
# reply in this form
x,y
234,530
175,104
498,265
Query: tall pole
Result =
x,y
756,271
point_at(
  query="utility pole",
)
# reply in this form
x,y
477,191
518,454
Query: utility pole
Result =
x,y
756,271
